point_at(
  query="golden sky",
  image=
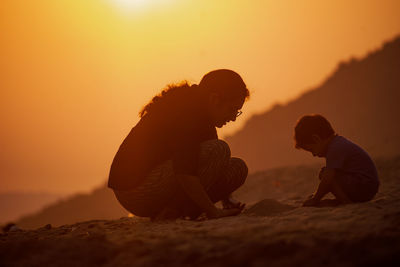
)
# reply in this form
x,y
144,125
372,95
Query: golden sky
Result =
x,y
75,73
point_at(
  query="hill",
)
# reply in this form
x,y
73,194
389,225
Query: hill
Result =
x,y
99,204
16,204
360,99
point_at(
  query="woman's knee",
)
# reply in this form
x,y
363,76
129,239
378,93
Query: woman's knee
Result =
x,y
240,168
217,148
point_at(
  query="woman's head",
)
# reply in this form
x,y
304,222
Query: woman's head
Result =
x,y
226,83
221,93
226,93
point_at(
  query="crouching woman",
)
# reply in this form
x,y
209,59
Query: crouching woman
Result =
x,y
172,163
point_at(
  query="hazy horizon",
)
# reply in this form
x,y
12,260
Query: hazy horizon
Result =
x,y
75,74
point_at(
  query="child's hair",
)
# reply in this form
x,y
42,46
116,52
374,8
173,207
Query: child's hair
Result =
x,y
310,125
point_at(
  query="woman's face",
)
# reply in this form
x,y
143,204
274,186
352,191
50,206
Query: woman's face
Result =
x,y
224,111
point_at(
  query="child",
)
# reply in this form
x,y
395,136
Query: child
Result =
x,y
350,174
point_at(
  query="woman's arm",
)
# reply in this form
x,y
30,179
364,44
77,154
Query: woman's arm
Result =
x,y
192,187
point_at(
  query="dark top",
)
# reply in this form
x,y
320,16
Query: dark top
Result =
x,y
348,157
172,133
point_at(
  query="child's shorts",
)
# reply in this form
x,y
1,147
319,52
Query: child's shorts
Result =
x,y
357,187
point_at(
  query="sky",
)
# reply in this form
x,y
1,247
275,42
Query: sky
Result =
x,y
74,74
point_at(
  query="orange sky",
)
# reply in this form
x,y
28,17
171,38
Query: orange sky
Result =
x,y
75,73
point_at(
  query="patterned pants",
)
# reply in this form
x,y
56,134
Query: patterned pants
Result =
x,y
219,174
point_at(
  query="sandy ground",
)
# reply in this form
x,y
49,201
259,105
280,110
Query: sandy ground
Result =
x,y
274,230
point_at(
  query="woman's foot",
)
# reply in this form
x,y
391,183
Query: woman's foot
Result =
x,y
167,214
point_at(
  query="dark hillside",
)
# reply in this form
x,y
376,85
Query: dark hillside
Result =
x,y
361,100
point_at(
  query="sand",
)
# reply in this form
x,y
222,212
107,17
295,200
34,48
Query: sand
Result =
x,y
273,231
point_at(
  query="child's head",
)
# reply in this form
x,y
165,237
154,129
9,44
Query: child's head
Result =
x,y
313,133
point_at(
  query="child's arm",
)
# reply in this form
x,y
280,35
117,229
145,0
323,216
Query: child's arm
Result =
x,y
326,176
324,187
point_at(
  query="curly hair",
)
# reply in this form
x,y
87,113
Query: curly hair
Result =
x,y
226,83
172,95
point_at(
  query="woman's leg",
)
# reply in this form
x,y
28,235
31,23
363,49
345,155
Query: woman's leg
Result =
x,y
214,159
219,174
150,197
231,179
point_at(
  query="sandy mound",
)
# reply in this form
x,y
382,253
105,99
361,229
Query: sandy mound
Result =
x,y
267,207
275,232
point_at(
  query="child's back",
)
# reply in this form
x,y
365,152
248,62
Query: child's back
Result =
x,y
355,169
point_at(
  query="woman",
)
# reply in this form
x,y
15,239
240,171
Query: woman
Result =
x,y
172,164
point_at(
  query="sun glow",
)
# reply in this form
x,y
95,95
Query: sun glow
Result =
x,y
131,3
138,5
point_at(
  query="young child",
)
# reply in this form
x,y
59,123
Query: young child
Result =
x,y
350,174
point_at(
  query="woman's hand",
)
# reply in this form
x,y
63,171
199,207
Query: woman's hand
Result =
x,y
231,203
192,187
219,213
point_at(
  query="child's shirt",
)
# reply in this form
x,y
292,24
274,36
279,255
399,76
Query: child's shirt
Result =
x,y
348,157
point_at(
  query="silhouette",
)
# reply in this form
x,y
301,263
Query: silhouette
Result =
x,y
98,204
360,98
172,164
350,174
